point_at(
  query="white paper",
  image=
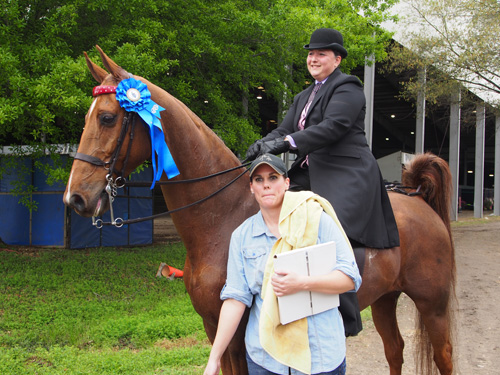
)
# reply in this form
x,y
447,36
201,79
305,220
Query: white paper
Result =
x,y
312,260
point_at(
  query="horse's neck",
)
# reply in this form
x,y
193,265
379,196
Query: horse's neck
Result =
x,y
189,139
198,152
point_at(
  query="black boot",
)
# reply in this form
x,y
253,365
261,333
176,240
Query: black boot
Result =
x,y
349,308
349,305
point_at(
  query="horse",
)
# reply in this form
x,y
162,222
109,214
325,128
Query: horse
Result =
x,y
423,266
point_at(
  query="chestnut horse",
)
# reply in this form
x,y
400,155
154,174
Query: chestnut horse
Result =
x,y
423,267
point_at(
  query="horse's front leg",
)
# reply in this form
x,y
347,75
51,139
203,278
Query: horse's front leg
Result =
x,y
385,320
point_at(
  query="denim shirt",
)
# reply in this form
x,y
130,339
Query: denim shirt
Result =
x,y
250,245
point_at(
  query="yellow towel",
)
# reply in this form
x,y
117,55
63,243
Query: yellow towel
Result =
x,y
298,225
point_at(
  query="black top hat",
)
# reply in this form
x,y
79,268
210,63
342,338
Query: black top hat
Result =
x,y
327,39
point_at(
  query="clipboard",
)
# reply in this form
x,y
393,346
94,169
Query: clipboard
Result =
x,y
318,259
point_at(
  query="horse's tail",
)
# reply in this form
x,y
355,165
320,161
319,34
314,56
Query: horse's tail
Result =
x,y
433,177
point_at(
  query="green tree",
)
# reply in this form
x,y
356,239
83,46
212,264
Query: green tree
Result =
x,y
210,54
455,41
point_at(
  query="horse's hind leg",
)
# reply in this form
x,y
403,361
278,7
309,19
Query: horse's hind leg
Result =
x,y
436,320
384,317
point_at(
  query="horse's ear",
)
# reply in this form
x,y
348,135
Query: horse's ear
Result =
x,y
97,72
117,71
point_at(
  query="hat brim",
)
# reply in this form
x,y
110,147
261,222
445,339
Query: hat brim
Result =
x,y
277,170
333,46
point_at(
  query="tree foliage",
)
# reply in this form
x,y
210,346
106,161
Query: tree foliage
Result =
x,y
210,54
455,41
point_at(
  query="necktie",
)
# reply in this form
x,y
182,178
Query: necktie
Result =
x,y
303,115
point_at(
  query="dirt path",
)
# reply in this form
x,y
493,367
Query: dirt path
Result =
x,y
477,348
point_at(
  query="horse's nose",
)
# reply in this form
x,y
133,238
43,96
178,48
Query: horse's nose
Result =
x,y
77,202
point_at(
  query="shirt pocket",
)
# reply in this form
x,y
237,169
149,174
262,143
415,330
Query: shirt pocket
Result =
x,y
255,259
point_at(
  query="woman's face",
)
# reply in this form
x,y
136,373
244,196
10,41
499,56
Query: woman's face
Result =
x,y
321,63
269,187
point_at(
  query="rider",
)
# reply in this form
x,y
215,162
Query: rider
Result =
x,y
333,156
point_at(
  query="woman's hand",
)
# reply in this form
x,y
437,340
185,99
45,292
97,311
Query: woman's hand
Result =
x,y
285,283
335,282
213,367
230,316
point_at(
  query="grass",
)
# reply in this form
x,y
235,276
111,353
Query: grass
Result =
x,y
471,220
97,311
102,311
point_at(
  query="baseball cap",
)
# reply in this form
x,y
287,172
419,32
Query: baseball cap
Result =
x,y
272,160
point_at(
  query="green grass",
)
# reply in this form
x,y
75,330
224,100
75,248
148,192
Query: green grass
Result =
x,y
97,311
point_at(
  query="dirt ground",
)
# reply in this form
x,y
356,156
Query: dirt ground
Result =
x,y
477,347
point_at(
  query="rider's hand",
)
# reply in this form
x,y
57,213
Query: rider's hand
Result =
x,y
276,146
254,150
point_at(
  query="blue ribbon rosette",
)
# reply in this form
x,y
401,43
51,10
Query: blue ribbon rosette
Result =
x,y
134,96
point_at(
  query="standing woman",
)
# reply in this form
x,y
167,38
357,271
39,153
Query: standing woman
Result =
x,y
312,345
325,128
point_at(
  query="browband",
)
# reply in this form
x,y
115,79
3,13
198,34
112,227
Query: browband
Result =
x,y
99,90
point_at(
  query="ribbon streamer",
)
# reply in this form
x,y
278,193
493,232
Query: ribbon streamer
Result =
x,y
134,96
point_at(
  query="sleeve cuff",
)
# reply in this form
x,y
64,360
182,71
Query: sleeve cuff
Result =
x,y
290,140
349,272
228,292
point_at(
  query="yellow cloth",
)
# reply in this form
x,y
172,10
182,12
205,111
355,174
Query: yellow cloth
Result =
x,y
298,225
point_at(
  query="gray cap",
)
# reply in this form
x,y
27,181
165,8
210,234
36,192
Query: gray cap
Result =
x,y
272,160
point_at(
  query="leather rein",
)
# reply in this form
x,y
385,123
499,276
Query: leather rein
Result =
x,y
129,121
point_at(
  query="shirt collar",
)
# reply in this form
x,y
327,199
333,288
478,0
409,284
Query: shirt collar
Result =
x,y
259,226
316,82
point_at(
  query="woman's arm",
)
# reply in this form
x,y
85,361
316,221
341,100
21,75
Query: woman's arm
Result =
x,y
230,316
335,282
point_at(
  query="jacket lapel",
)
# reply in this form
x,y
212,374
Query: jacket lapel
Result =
x,y
323,89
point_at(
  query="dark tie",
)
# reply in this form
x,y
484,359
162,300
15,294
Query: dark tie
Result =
x,y
302,119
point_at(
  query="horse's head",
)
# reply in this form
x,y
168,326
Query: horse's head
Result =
x,y
104,151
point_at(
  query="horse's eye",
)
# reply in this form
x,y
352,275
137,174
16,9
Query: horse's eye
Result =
x,y
107,119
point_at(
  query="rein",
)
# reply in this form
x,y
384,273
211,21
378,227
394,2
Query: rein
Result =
x,y
142,183
119,222
119,182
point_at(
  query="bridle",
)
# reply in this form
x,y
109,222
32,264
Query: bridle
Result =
x,y
129,121
113,184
